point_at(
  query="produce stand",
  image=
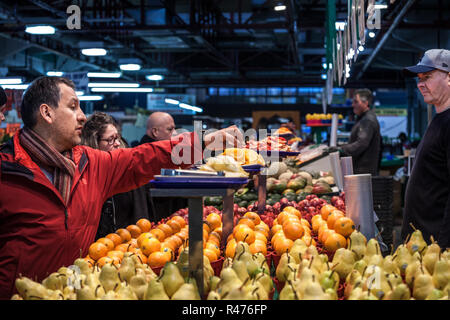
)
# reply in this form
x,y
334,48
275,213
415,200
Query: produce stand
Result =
x,y
195,193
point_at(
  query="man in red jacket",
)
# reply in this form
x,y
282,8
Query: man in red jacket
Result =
x,y
52,189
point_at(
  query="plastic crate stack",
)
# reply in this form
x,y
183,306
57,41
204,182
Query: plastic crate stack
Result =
x,y
383,198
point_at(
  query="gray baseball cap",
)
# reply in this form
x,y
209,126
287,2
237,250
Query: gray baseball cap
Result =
x,y
431,60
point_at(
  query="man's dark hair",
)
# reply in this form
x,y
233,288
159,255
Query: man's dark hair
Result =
x,y
365,95
43,90
3,98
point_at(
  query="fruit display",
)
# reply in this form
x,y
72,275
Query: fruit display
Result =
x,y
244,156
321,118
271,143
224,163
282,131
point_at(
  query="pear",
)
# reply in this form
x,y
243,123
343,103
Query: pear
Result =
x,y
281,271
183,263
16,297
394,279
298,249
83,265
357,244
93,282
240,268
155,291
353,280
85,293
126,293
288,292
360,266
259,292
304,277
213,295
187,291
69,293
411,272
261,261
266,281
423,285
109,277
441,274
376,282
139,286
241,247
356,294
214,282
228,262
402,258
238,292
399,292
313,291
329,280
431,256
110,295
343,262
435,294
53,282
127,269
331,294
390,266
147,272
29,289
171,278
320,264
229,281
372,250
416,242
249,263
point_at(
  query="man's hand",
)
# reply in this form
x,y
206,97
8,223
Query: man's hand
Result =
x,y
230,137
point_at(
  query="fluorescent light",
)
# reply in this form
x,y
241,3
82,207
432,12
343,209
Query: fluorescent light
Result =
x,y
40,29
155,77
280,8
380,6
130,67
122,89
104,74
79,93
55,73
324,65
10,80
171,101
372,34
90,98
330,66
323,76
361,48
15,86
94,52
112,85
340,25
189,107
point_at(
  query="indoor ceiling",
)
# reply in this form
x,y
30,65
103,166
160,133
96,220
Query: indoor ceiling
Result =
x,y
197,43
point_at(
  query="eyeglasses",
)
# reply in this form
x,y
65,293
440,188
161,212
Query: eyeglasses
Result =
x,y
111,140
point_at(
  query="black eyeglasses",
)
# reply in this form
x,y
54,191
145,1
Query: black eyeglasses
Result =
x,y
111,140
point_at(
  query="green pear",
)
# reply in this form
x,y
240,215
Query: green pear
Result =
x,y
213,295
85,293
249,262
83,265
329,280
171,278
298,249
266,281
139,285
423,285
435,294
53,282
331,294
390,266
431,256
281,271
441,274
109,277
372,249
126,293
313,291
93,282
357,244
186,291
238,292
183,262
214,282
416,242
399,292
127,269
343,262
261,261
288,292
229,281
360,266
155,291
240,267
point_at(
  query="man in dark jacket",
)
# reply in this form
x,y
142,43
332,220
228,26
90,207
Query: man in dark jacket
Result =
x,y
3,100
427,198
365,140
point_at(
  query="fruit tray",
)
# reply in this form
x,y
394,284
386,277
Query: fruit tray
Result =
x,y
180,182
252,168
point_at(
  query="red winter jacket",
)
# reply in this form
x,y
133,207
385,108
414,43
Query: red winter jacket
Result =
x,y
38,232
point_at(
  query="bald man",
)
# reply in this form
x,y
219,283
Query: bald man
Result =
x,y
160,126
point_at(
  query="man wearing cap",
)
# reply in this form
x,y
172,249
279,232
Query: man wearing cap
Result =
x,y
427,199
3,100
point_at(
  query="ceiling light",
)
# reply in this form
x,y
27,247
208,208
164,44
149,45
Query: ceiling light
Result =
x,y
171,101
340,25
90,98
372,34
280,8
104,74
55,73
44,29
15,86
324,65
380,6
189,107
122,89
361,48
10,80
79,93
155,77
324,76
112,85
94,52
130,67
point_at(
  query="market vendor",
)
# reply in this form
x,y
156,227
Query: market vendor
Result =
x,y
427,199
365,139
53,189
3,100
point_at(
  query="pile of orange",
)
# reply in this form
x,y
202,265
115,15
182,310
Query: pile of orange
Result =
x,y
252,230
332,227
288,227
212,236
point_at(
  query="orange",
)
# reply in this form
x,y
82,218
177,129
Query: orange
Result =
x,y
107,242
276,236
115,253
247,222
253,216
308,240
214,220
258,246
293,211
134,230
150,245
283,245
206,227
97,250
176,240
169,245
230,249
168,231
142,257
105,260
115,238
210,254
180,220
317,223
168,252
326,234
144,224
282,216
245,234
90,261
214,237
293,230
133,243
305,223
260,236
344,226
335,241
262,230
276,228
122,247
176,227
144,236
332,217
326,210
158,233
238,228
124,234
218,231
158,259
214,247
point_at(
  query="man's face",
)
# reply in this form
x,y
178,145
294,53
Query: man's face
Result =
x,y
165,130
69,119
359,106
434,86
